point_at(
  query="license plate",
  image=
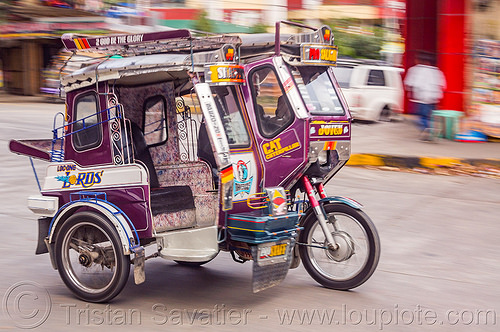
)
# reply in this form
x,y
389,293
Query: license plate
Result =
x,y
273,251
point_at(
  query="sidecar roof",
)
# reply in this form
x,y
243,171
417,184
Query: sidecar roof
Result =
x,y
170,55
158,66
160,55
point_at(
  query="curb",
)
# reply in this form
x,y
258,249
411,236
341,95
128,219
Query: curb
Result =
x,y
407,162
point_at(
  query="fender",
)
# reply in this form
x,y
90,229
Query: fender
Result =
x,y
114,214
340,199
331,200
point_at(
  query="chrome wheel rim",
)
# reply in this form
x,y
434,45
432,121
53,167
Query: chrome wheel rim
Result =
x,y
89,258
348,261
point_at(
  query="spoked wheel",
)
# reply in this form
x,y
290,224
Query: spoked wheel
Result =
x,y
358,252
90,257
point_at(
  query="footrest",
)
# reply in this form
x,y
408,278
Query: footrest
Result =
x,y
188,255
189,245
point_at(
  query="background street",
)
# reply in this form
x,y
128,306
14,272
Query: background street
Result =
x,y
438,269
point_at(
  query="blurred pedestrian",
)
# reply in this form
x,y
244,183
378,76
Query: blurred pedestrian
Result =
x,y
426,84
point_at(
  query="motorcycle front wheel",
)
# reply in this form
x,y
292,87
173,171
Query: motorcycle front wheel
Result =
x,y
358,252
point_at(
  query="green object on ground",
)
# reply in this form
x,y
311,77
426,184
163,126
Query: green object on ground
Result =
x,y
446,123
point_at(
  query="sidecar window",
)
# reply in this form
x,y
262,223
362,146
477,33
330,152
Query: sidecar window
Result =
x,y
87,127
230,113
272,109
155,123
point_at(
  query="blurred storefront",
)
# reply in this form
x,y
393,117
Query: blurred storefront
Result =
x,y
31,37
484,103
464,36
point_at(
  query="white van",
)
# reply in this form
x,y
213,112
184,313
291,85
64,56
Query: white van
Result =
x,y
373,92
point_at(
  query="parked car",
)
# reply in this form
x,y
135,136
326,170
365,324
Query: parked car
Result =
x,y
373,92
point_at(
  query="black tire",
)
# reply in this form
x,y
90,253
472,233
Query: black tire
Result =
x,y
96,270
385,114
324,265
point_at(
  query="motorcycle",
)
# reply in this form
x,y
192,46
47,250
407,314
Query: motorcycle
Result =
x,y
197,145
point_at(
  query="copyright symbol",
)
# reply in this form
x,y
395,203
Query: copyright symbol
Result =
x,y
27,304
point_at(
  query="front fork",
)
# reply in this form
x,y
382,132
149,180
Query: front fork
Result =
x,y
318,210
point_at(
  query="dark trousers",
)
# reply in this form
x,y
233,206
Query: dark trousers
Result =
x,y
425,113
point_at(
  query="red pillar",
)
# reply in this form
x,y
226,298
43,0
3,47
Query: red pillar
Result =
x,y
451,51
420,33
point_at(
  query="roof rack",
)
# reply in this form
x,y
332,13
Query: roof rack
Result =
x,y
180,41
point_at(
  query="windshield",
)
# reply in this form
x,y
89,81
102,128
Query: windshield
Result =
x,y
317,90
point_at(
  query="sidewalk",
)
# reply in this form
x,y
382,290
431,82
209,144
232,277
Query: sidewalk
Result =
x,y
392,145
396,144
6,98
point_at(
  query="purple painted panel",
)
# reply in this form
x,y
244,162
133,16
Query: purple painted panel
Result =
x,y
32,148
285,154
100,155
131,200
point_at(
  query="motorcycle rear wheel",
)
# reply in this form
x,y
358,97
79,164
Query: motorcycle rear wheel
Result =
x,y
358,254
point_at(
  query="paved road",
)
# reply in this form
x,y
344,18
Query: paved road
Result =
x,y
438,269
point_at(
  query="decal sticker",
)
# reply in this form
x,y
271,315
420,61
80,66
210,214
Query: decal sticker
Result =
x,y
70,176
66,168
331,130
322,129
118,40
83,179
276,148
330,146
226,174
288,84
225,73
320,54
243,180
278,200
81,43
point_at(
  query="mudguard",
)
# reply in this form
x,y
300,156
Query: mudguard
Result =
x,y
340,199
107,209
332,200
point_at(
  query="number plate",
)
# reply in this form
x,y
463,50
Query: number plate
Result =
x,y
272,252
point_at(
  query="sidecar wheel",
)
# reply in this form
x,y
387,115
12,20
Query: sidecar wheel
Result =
x,y
357,256
90,258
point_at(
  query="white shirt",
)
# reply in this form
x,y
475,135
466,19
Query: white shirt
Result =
x,y
426,84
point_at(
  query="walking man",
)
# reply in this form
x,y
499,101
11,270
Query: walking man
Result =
x,y
426,84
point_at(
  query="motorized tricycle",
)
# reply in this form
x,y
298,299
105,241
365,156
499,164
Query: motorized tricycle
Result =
x,y
196,145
